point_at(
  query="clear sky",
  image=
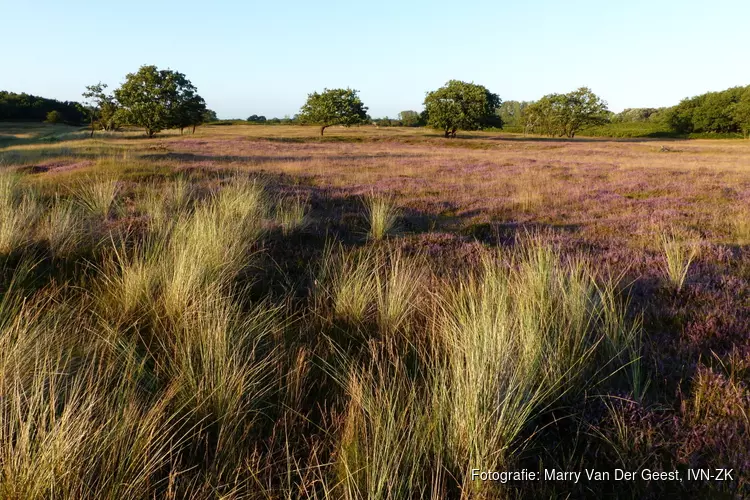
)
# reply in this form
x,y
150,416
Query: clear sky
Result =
x,y
253,57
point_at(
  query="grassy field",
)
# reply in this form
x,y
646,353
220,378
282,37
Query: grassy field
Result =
x,y
256,312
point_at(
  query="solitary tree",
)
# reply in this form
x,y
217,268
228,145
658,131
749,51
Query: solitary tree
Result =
x,y
333,107
565,114
103,107
461,106
158,99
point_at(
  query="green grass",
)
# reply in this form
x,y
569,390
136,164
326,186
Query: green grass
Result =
x,y
678,255
382,214
291,214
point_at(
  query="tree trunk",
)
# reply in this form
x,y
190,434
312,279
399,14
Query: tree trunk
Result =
x,y
181,130
322,129
447,133
92,128
193,129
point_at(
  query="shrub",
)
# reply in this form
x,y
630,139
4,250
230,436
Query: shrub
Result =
x,y
54,116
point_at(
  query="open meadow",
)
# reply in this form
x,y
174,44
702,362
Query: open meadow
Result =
x,y
255,311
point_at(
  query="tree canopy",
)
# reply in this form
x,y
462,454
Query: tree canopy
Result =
x,y
741,112
511,112
410,118
159,99
710,112
103,107
333,107
257,119
565,114
461,106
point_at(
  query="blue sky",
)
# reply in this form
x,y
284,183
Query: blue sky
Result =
x,y
251,57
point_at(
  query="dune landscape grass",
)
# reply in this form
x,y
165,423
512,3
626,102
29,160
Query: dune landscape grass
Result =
x,y
230,314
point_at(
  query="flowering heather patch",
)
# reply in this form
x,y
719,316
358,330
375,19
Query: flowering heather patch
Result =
x,y
219,322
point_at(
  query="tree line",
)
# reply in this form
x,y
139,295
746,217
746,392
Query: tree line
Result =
x,y
462,105
721,112
27,107
157,99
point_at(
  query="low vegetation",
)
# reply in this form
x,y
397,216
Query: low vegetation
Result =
x,y
201,324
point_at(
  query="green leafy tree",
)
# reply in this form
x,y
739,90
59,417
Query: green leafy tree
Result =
x,y
546,116
709,112
461,106
511,112
159,99
410,118
257,119
634,115
333,107
103,107
741,113
189,110
26,107
586,109
54,116
210,115
565,114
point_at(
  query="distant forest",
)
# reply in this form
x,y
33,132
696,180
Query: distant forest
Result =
x,y
27,107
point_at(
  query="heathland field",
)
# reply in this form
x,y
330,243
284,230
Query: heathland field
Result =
x,y
257,312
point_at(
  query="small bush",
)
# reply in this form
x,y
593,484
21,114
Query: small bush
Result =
x,y
54,117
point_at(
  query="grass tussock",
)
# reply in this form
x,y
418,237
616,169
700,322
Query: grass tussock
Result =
x,y
678,256
741,226
96,195
63,227
517,335
18,212
291,214
382,214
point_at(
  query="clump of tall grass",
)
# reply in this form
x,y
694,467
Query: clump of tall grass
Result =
x,y
18,212
209,247
386,441
373,286
382,214
224,363
63,227
517,335
130,277
73,421
741,223
164,203
291,214
678,255
398,288
96,195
